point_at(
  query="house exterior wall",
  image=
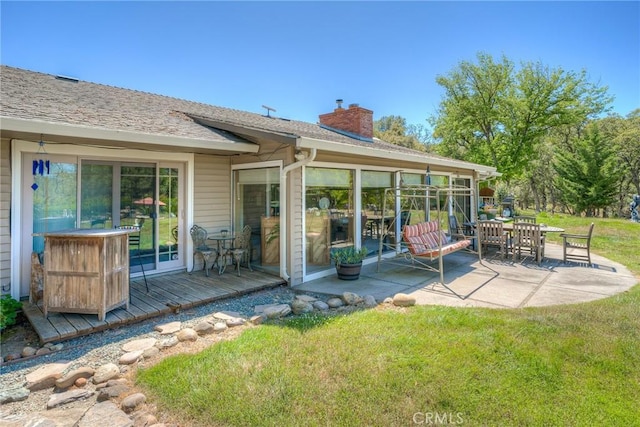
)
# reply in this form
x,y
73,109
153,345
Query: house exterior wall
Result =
x,y
296,244
211,194
5,209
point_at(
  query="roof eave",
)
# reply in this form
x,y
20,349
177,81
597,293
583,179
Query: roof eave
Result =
x,y
305,142
24,128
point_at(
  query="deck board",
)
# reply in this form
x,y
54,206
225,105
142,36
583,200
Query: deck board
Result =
x,y
182,289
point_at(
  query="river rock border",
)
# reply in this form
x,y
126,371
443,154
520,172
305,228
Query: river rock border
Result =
x,y
77,394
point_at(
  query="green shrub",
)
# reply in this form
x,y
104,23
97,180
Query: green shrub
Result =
x,y
8,311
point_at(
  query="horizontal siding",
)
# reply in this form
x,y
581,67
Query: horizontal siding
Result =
x,y
295,230
5,209
212,192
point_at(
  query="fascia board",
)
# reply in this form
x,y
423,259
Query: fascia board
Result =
x,y
323,145
11,124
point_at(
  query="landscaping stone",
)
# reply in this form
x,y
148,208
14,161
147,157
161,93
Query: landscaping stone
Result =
x,y
235,321
45,376
335,302
369,301
168,328
187,334
220,327
70,378
14,394
58,399
299,306
277,310
203,328
105,414
111,392
105,373
28,351
403,300
131,357
226,315
350,298
131,402
320,305
141,344
307,298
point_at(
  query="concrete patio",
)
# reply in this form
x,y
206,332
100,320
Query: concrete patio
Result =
x,y
494,282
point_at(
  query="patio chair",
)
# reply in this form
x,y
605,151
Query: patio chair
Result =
x,y
134,242
201,249
581,242
491,233
528,219
528,236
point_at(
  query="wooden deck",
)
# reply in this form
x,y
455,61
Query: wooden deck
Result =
x,y
167,293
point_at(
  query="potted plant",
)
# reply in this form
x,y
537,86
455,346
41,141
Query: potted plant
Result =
x,y
348,261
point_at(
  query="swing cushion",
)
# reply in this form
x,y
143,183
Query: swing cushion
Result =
x,y
424,239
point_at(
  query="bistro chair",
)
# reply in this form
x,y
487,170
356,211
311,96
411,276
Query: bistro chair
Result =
x,y
528,236
134,242
580,242
492,233
201,249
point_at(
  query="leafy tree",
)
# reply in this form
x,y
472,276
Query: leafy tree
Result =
x,y
587,175
493,114
394,129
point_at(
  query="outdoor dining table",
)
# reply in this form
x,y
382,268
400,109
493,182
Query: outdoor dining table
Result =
x,y
222,240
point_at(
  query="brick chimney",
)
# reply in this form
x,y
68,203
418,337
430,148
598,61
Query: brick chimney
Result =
x,y
355,120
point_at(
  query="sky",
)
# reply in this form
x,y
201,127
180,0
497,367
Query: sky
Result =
x,y
299,57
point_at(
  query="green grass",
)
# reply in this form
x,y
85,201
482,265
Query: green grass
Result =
x,y
562,365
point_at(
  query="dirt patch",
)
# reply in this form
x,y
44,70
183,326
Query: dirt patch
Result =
x,y
18,336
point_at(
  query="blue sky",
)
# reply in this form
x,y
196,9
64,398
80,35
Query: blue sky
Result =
x,y
299,57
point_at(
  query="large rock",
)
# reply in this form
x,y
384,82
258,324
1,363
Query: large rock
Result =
x,y
105,414
187,334
131,402
335,302
299,306
320,305
14,394
57,399
45,376
105,373
370,301
141,344
203,328
403,300
168,328
350,298
277,310
131,357
70,378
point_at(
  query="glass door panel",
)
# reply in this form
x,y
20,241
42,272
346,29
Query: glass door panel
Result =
x,y
257,204
96,198
168,214
373,221
54,198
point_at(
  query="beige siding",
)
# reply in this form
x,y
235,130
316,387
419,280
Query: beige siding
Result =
x,y
5,209
212,193
297,243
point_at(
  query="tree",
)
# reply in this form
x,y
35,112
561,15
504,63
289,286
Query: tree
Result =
x,y
587,176
394,129
493,114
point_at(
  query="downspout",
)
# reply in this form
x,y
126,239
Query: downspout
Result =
x,y
283,209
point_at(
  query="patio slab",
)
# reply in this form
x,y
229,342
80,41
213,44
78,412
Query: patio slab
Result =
x,y
494,282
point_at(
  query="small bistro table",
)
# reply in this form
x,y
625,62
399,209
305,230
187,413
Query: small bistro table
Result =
x,y
221,240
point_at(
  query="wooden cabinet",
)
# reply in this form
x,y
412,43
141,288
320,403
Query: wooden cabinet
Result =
x,y
86,271
270,240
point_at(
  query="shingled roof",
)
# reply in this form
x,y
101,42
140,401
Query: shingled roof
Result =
x,y
48,99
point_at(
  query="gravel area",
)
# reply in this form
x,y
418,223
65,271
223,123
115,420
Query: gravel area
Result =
x,y
103,347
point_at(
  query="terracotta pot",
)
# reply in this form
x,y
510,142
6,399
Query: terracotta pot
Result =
x,y
349,271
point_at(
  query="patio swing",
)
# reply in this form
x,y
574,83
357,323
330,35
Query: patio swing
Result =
x,y
424,224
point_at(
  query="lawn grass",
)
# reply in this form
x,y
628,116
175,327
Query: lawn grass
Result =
x,y
560,365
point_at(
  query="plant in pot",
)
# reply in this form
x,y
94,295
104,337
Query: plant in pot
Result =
x,y
348,261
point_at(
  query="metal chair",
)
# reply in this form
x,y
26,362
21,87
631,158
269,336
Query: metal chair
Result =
x,y
201,249
491,233
528,236
580,242
134,242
